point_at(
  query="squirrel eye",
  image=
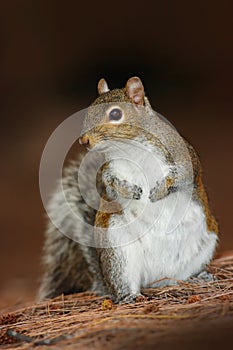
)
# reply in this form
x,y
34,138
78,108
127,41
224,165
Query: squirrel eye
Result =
x,y
115,114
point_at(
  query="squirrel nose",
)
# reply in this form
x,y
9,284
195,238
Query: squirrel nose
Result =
x,y
84,140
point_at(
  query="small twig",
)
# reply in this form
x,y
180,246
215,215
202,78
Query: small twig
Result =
x,y
48,310
217,296
19,336
63,303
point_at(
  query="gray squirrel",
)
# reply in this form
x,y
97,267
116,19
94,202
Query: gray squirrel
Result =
x,y
154,259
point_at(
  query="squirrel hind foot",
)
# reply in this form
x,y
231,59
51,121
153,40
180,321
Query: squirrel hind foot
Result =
x,y
132,298
203,277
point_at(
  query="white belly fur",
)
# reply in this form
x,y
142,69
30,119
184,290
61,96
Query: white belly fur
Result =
x,y
157,254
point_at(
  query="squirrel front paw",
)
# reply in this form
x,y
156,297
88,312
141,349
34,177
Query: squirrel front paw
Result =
x,y
116,187
127,190
162,189
158,192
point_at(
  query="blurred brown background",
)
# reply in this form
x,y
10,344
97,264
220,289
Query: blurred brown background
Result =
x,y
52,54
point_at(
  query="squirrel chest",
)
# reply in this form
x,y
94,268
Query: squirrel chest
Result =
x,y
154,241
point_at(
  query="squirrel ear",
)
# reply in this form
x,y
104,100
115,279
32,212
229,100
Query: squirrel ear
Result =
x,y
135,90
102,86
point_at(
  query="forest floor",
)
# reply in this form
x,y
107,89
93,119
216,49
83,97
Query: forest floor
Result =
x,y
188,315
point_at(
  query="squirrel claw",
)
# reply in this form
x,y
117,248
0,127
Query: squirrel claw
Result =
x,y
137,192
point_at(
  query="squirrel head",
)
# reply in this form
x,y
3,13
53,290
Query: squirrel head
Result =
x,y
115,113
